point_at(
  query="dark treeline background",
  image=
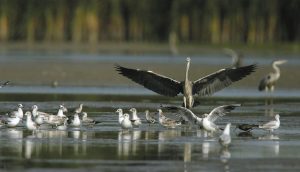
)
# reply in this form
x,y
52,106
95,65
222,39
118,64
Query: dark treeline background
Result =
x,y
201,21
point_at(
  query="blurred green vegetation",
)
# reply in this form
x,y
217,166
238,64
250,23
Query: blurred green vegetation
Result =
x,y
198,21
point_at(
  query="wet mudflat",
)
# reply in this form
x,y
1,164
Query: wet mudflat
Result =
x,y
108,148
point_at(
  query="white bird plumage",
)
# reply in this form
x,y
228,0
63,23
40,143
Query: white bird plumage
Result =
x,y
126,123
121,116
30,125
74,121
136,121
208,121
272,125
225,138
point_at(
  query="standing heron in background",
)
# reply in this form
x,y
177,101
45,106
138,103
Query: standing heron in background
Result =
x,y
237,57
169,87
269,81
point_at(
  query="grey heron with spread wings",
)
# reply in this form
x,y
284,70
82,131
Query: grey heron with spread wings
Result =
x,y
170,87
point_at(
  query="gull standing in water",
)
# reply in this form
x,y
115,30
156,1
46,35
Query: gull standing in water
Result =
x,y
18,113
225,138
272,125
136,121
121,116
39,117
79,109
10,121
88,121
269,81
126,123
167,122
63,126
150,119
30,125
169,87
74,121
58,119
61,111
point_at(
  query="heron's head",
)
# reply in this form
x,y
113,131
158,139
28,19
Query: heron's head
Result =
x,y
279,62
20,106
188,59
277,116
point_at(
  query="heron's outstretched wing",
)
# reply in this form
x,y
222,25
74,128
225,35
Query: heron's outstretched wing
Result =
x,y
186,113
221,111
155,82
220,79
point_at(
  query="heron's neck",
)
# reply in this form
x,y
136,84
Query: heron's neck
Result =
x,y
187,72
276,68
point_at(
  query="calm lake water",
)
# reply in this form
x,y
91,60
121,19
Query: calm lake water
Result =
x,y
90,79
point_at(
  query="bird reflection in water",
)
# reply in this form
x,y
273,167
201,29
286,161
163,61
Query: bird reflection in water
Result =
x,y
187,155
166,135
128,142
225,156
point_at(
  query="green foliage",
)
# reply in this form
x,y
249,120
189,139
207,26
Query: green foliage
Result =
x,y
206,21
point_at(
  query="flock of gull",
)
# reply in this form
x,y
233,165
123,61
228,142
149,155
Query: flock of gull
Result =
x,y
166,86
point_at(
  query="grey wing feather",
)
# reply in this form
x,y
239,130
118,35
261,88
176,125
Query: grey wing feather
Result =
x,y
269,124
186,113
221,111
155,82
220,79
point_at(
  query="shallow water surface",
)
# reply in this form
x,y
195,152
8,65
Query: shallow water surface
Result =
x,y
105,147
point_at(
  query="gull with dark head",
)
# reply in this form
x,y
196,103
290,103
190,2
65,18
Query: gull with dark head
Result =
x,y
272,125
269,81
169,87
